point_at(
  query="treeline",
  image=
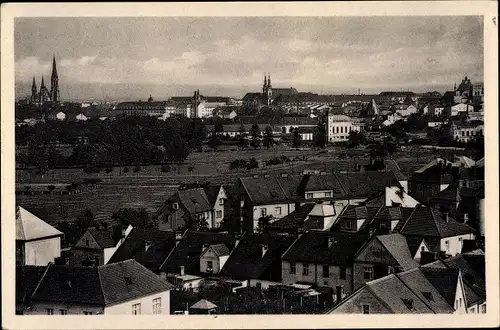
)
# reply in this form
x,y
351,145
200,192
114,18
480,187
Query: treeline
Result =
x,y
101,144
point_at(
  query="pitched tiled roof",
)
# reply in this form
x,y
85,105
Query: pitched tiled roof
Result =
x,y
189,249
268,190
364,184
103,238
27,278
127,280
472,269
421,287
298,121
220,250
212,191
359,212
101,286
396,296
426,221
325,182
444,280
194,200
295,219
30,227
247,261
313,247
397,246
62,283
134,247
203,304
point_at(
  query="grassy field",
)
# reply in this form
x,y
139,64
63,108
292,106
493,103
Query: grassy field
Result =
x,y
149,188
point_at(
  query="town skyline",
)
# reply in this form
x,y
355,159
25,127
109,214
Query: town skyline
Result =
x,y
229,56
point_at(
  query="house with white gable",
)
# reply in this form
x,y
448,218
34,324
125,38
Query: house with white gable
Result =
x,y
37,242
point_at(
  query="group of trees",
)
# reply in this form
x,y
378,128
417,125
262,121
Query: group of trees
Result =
x,y
124,141
244,164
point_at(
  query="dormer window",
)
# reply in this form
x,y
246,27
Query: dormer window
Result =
x,y
175,206
428,296
408,303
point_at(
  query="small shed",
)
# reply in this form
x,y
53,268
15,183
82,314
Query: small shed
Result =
x,y
203,306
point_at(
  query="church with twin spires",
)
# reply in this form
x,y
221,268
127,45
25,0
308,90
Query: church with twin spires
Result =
x,y
45,95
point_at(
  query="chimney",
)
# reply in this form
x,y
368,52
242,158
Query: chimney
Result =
x,y
163,276
204,246
264,249
465,218
446,217
147,245
427,257
182,270
331,240
338,290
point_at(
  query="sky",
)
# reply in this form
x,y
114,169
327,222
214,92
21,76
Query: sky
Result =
x,y
131,58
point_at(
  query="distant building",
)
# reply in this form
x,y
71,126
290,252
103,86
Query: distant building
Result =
x,y
226,112
268,95
60,115
339,127
461,108
44,95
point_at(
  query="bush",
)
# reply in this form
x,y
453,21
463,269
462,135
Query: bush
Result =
x,y
108,169
137,168
125,169
165,168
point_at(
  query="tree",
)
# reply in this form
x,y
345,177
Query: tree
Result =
x,y
253,163
356,138
268,140
255,136
215,140
320,136
297,138
85,220
177,150
136,218
263,222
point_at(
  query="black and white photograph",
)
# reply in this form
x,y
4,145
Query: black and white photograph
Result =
x,y
208,166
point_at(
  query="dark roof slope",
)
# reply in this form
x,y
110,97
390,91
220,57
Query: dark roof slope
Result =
x,y
212,191
128,280
103,238
187,253
62,283
262,190
313,247
27,278
295,219
220,249
397,246
364,184
247,261
426,221
134,247
444,280
325,182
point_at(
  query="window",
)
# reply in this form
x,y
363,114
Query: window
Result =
x,y
305,269
209,265
263,212
136,309
87,243
343,273
447,246
219,214
366,308
63,311
408,303
336,130
376,254
157,306
328,194
348,225
293,268
483,309
459,302
368,273
326,271
258,285
50,311
309,195
221,201
277,210
87,313
341,129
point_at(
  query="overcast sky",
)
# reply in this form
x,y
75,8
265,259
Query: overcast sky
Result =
x,y
135,57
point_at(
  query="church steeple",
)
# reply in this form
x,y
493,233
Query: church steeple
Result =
x,y
265,81
269,79
54,82
33,86
42,85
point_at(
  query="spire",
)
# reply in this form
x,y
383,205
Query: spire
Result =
x,y
265,80
33,86
269,79
43,84
54,68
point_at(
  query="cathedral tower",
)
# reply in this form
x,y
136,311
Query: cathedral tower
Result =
x,y
34,91
54,83
267,90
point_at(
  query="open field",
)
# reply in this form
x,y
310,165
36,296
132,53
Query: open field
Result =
x,y
150,187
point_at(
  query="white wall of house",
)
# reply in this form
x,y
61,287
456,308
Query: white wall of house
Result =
x,y
218,215
146,305
41,308
338,131
263,284
217,262
421,248
315,275
391,196
461,107
41,252
460,301
453,245
278,211
318,194
411,109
